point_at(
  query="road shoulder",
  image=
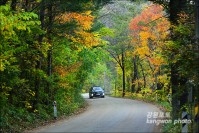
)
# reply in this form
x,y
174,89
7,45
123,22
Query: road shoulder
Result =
x,y
60,119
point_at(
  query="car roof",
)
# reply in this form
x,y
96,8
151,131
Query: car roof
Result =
x,y
96,87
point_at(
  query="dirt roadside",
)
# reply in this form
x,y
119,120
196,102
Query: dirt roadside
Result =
x,y
58,120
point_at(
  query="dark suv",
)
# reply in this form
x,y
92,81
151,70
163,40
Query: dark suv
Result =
x,y
96,92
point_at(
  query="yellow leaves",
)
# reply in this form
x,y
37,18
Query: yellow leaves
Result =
x,y
88,12
28,105
157,61
144,35
82,32
63,83
164,79
149,31
143,51
86,38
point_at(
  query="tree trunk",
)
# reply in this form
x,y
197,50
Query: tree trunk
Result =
x,y
49,58
123,75
26,5
14,5
174,86
175,7
196,90
143,75
135,74
49,32
38,66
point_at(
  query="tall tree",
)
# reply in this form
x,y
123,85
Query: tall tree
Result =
x,y
174,8
149,31
41,55
117,16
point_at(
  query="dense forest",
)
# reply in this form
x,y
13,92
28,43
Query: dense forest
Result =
x,y
53,50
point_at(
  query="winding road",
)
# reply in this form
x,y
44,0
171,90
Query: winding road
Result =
x,y
108,115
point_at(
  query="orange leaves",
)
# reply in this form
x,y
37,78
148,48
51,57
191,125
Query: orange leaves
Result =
x,y
149,29
60,70
63,71
149,14
84,20
183,17
150,20
82,32
153,12
156,61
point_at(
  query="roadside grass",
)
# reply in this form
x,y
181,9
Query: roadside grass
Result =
x,y
171,128
21,120
162,103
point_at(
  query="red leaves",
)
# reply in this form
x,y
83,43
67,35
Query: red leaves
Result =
x,y
148,15
149,29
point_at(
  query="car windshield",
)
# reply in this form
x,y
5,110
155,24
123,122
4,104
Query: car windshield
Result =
x,y
97,88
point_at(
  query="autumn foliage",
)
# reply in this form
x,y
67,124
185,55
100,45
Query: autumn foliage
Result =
x,y
82,34
149,30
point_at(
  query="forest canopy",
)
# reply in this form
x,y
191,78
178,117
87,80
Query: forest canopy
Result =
x,y
55,50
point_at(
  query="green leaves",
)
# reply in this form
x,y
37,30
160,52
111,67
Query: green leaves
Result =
x,y
5,9
106,32
19,21
11,25
26,20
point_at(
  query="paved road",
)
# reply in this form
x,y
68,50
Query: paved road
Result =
x,y
108,115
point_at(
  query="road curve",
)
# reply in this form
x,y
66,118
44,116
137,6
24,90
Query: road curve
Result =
x,y
108,115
